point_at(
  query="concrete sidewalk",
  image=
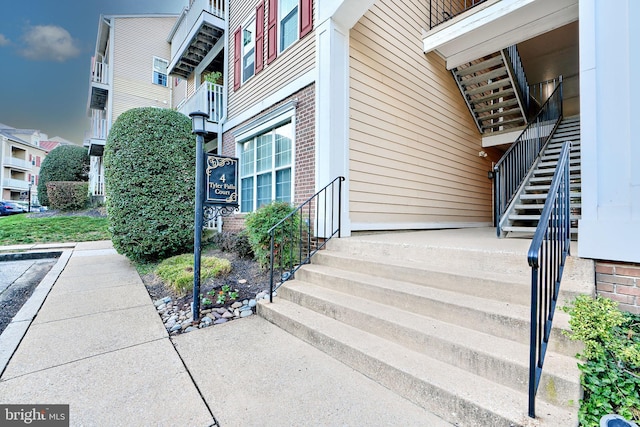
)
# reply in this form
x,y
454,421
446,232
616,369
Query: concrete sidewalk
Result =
x,y
98,345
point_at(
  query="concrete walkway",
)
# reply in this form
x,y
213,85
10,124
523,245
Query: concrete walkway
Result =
x,y
93,340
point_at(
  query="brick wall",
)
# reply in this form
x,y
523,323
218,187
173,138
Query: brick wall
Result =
x,y
304,180
619,282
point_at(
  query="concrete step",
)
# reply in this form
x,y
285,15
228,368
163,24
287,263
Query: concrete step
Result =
x,y
500,84
553,164
545,188
502,361
506,93
547,171
540,206
455,394
543,196
524,217
528,230
485,77
502,319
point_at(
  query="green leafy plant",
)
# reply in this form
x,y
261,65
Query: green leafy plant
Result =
x,y
286,239
63,163
224,294
67,195
611,369
214,77
177,271
149,162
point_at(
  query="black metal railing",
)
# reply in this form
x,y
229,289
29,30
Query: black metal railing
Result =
x,y
442,10
302,233
547,254
540,92
516,69
515,164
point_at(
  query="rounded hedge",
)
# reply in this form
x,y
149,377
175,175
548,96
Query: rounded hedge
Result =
x,y
149,163
63,163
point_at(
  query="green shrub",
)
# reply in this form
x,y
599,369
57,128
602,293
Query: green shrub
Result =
x,y
611,372
63,163
149,162
233,242
177,271
286,239
67,196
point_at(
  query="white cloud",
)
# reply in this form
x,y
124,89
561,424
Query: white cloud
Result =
x,y
49,43
3,40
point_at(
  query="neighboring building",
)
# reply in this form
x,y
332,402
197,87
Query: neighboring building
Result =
x,y
21,154
128,70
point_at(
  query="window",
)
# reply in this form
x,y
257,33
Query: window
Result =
x,y
160,71
248,49
266,168
288,22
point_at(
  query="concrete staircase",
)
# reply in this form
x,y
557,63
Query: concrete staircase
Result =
x,y
439,317
488,87
524,215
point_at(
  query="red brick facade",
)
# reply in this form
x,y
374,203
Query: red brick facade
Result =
x,y
619,282
305,145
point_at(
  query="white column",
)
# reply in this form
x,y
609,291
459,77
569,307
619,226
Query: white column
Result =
x,y
609,71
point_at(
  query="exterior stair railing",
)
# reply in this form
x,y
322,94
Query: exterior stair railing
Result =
x,y
518,76
514,166
305,231
547,254
443,10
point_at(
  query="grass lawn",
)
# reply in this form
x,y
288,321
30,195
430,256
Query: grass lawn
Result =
x,y
18,229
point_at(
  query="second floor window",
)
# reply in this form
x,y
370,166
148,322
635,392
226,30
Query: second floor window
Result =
x,y
248,49
288,22
160,71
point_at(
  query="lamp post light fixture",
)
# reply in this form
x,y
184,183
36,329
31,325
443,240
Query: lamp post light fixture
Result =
x,y
198,119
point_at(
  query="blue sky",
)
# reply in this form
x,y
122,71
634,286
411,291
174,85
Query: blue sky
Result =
x,y
45,53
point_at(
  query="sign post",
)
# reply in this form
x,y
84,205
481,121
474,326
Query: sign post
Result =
x,y
218,198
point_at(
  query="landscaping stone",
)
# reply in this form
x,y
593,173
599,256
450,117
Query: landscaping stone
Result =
x,y
189,329
246,313
236,304
252,303
220,321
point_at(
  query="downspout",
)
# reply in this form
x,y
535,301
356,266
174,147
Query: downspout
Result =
x,y
225,86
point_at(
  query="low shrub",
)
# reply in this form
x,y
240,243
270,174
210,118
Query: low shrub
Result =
x,y
63,163
67,195
286,239
611,369
233,242
177,271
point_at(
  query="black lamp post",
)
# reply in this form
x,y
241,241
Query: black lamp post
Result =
x,y
199,120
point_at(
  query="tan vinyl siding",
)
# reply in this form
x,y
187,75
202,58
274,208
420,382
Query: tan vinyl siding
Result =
x,y
133,63
295,61
413,145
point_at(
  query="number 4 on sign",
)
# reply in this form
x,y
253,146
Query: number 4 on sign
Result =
x,y
222,178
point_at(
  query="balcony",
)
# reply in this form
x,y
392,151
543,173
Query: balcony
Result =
x,y
14,162
208,98
99,132
15,184
196,33
463,35
99,84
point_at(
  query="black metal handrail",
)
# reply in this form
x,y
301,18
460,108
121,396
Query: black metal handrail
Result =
x,y
547,254
513,167
323,210
517,73
442,10
539,92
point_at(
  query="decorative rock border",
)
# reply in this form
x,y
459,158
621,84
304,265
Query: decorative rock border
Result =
x,y
179,319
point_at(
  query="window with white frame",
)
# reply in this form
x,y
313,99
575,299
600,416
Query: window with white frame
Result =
x,y
248,49
266,168
288,22
160,71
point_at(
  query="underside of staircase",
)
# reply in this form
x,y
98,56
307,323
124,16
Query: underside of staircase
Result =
x,y
523,215
492,97
439,317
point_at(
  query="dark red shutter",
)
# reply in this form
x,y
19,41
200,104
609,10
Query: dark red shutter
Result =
x,y
306,17
259,37
38,161
272,31
237,58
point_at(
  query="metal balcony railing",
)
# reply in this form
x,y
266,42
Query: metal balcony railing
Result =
x,y
442,10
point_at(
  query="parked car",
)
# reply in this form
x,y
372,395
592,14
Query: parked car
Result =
x,y
10,208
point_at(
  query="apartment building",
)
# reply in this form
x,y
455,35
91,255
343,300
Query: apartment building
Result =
x,y
128,70
21,154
